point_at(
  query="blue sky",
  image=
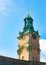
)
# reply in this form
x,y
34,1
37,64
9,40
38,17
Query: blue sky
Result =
x,y
12,13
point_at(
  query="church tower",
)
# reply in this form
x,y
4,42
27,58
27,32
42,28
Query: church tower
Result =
x,y
28,42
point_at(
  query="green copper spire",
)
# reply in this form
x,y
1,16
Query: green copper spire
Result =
x,y
28,24
28,27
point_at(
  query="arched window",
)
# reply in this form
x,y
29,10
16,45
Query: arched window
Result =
x,y
22,57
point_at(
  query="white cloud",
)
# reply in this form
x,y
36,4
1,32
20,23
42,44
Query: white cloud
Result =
x,y
43,50
4,4
43,60
3,7
5,10
43,45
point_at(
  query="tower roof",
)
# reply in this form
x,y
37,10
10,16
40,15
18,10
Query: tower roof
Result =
x,y
28,26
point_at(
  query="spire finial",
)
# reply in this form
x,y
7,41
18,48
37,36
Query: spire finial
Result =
x,y
28,12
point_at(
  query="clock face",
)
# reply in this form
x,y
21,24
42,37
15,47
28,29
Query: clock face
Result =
x,y
34,36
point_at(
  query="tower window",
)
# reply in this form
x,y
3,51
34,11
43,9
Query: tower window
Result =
x,y
22,57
